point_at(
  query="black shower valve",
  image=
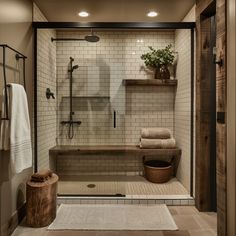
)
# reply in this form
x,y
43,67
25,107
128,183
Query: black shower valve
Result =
x,y
49,94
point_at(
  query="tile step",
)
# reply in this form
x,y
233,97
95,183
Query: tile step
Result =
x,y
113,200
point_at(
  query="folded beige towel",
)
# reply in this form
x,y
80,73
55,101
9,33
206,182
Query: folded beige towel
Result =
x,y
41,176
157,143
156,133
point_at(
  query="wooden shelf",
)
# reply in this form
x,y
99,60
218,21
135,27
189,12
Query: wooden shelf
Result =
x,y
64,150
87,97
73,150
149,82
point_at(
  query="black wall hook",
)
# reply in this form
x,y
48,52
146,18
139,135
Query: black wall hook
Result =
x,y
219,62
49,94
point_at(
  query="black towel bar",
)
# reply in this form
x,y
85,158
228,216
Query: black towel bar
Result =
x,y
18,57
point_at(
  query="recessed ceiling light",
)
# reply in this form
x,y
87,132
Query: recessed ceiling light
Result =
x,y
83,14
152,14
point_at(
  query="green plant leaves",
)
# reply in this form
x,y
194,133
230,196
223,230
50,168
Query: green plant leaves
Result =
x,y
159,57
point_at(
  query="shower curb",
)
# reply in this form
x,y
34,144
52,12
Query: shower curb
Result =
x,y
189,201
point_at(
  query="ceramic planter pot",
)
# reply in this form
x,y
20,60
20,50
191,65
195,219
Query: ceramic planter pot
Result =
x,y
162,73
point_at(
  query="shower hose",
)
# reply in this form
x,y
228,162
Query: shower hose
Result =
x,y
71,130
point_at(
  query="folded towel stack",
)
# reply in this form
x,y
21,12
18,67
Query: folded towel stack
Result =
x,y
41,176
157,138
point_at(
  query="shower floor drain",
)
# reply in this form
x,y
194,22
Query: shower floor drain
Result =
x,y
91,185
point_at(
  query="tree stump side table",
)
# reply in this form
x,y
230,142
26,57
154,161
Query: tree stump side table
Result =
x,y
41,202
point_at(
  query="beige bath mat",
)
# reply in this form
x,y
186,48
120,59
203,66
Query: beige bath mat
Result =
x,y
113,217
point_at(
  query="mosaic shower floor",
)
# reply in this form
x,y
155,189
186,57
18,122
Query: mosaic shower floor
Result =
x,y
130,186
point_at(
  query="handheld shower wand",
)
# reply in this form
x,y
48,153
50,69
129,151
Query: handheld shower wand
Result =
x,y
70,122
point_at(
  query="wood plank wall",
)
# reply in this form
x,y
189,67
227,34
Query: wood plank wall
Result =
x,y
221,107
202,114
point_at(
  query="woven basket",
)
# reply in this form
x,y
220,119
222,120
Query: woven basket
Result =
x,y
158,171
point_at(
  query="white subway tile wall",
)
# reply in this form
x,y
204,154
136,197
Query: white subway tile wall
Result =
x,y
110,164
47,108
46,78
103,164
98,88
182,117
98,91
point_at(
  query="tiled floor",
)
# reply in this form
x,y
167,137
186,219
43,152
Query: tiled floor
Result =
x,y
128,185
189,221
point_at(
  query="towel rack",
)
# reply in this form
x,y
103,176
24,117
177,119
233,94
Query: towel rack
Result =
x,y
18,56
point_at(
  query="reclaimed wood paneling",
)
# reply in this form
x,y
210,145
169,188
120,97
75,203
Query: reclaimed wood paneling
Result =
x,y
221,104
203,110
202,115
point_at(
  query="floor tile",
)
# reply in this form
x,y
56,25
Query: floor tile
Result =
x,y
26,231
206,221
129,233
188,219
176,233
128,185
186,222
172,210
70,233
186,210
202,233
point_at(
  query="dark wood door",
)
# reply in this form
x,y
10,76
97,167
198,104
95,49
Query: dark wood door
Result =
x,y
203,112
206,116
221,141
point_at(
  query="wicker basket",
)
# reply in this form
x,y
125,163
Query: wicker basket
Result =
x,y
158,171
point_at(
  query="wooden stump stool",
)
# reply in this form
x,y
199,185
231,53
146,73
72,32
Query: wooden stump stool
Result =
x,y
41,202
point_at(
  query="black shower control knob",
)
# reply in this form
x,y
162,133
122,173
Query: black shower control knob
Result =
x,y
49,94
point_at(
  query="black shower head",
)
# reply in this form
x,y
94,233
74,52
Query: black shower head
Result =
x,y
92,38
75,67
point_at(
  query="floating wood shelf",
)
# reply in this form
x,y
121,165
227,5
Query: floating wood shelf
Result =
x,y
87,97
64,150
72,150
149,82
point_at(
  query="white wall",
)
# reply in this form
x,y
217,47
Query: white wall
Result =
x,y
182,112
102,67
16,31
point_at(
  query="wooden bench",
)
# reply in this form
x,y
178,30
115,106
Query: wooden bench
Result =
x,y
174,153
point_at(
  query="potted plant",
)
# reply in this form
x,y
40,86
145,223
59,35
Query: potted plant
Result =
x,y
159,60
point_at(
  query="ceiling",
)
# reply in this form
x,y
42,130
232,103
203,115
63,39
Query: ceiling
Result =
x,y
115,11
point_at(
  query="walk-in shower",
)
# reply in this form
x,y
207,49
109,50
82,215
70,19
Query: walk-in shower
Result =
x,y
71,122
101,157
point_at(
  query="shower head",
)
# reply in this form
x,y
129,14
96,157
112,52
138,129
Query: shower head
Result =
x,y
75,67
92,38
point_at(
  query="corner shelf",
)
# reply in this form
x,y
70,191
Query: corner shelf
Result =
x,y
149,82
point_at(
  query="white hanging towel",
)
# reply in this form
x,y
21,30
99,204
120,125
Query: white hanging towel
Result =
x,y
20,134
